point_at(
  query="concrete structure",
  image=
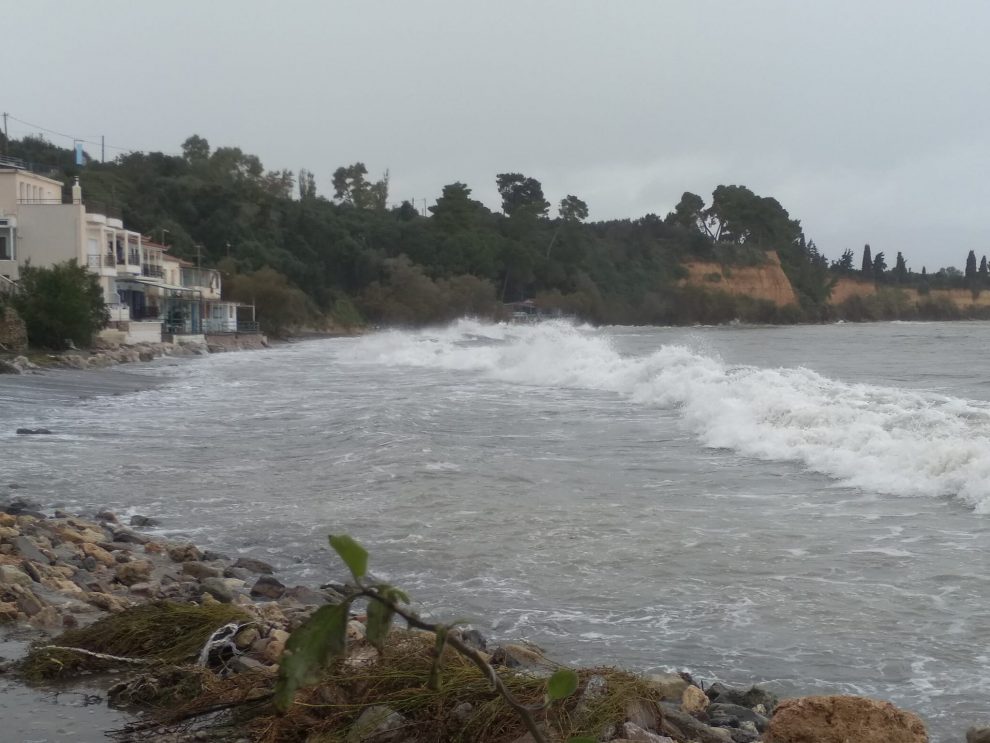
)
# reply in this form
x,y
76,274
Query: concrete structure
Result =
x,y
147,291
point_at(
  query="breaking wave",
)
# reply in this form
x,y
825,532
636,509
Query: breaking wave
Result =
x,y
880,439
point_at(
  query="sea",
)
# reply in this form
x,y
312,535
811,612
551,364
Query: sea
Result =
x,y
807,508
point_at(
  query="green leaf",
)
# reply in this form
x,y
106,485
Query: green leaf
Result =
x,y
562,684
379,621
355,556
433,682
396,595
322,637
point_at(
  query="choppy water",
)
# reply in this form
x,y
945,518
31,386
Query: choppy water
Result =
x,y
808,507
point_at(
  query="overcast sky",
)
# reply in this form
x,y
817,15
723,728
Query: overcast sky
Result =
x,y
867,120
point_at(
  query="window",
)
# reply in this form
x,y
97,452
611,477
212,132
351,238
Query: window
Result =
x,y
6,248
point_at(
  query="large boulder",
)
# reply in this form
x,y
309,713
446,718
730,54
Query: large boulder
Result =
x,y
840,719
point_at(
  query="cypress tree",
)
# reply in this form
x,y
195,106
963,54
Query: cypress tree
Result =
x,y
971,265
867,269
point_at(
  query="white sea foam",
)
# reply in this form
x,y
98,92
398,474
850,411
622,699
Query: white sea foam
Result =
x,y
880,439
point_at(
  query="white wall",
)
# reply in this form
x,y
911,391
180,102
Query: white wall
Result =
x,y
144,332
50,233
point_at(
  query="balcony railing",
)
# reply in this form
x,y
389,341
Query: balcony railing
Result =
x,y
119,312
101,261
41,201
8,287
134,257
150,269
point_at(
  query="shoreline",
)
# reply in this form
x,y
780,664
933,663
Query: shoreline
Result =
x,y
62,572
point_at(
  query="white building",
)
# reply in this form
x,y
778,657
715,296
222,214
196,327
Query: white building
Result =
x,y
147,291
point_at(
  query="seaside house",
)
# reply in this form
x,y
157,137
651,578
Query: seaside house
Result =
x,y
148,292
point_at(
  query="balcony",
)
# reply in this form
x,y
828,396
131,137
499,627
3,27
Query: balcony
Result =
x,y
97,262
152,270
59,201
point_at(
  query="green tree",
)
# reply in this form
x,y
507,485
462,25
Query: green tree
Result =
x,y
351,187
971,265
900,269
455,210
867,266
983,271
196,149
845,264
521,194
61,306
879,266
689,211
280,306
573,209
307,184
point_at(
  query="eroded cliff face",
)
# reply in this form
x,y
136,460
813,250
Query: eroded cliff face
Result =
x,y
961,298
767,281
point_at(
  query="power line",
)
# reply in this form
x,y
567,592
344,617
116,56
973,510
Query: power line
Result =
x,y
84,140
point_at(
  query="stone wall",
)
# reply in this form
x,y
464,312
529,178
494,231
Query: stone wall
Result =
x,y
13,333
235,342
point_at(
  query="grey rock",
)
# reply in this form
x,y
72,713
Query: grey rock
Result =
x,y
126,536
145,521
978,735
7,367
211,556
741,735
474,639
33,432
22,506
633,732
200,570
31,569
731,715
216,588
750,697
29,551
29,603
267,587
11,575
135,571
106,516
304,595
379,724
679,724
253,565
239,573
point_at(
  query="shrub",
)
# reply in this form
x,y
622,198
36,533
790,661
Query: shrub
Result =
x,y
61,305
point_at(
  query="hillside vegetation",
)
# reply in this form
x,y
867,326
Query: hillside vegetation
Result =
x,y
353,257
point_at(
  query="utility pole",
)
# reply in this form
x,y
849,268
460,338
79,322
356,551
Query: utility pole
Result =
x,y
198,256
103,149
5,139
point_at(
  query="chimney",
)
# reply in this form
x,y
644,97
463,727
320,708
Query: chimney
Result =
x,y
76,192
